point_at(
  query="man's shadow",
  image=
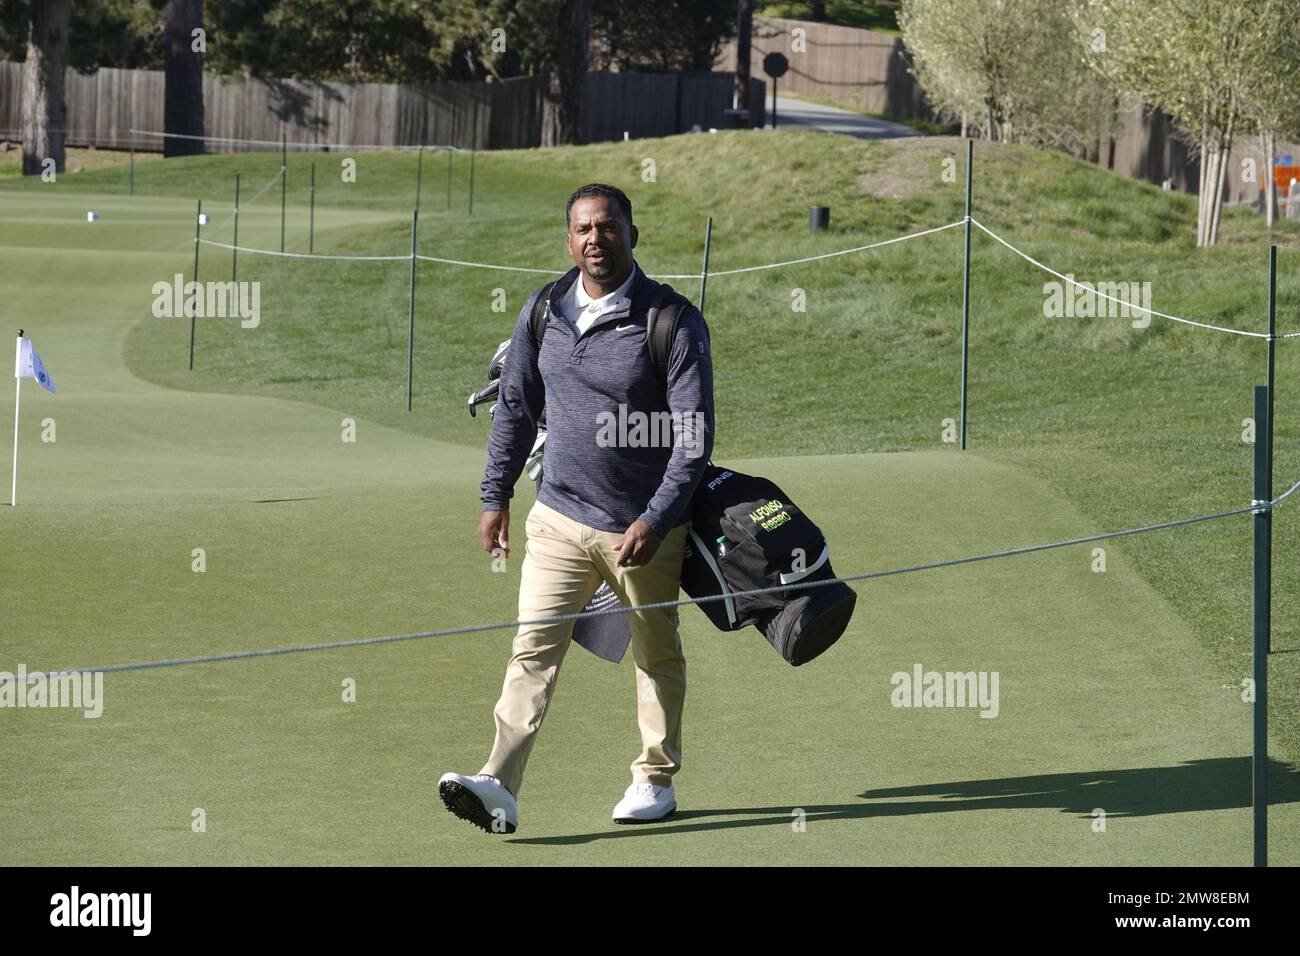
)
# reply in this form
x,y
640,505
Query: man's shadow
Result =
x,y
1221,783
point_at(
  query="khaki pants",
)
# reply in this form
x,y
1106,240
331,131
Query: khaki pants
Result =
x,y
564,563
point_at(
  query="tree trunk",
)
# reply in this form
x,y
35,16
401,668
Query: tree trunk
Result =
x,y
1209,179
1201,187
1217,199
1202,191
1221,173
183,81
744,33
44,110
562,108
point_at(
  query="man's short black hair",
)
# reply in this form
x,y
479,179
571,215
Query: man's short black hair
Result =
x,y
599,189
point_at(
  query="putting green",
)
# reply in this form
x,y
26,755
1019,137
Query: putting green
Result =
x,y
1104,703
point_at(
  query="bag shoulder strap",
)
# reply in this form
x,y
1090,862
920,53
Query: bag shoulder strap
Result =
x,y
541,313
665,312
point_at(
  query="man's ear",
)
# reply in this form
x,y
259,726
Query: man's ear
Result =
x,y
634,236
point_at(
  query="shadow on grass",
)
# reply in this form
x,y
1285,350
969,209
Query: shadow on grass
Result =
x,y
1217,784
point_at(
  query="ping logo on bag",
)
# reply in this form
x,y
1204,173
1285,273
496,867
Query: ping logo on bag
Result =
x,y
719,480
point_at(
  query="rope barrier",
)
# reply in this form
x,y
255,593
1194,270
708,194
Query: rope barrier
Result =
x,y
305,255
258,195
770,265
1129,305
559,618
827,255
503,268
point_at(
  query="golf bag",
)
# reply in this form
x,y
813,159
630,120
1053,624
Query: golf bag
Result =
x,y
746,535
766,541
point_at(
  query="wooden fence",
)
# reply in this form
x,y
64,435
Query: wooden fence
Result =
x,y
104,105
861,69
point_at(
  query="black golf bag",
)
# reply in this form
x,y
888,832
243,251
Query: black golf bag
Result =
x,y
746,535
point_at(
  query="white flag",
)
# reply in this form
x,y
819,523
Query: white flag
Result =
x,y
29,364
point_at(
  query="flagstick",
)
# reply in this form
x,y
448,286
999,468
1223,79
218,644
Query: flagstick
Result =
x,y
18,394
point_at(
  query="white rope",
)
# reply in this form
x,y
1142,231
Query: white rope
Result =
x,y
276,142
384,165
488,265
725,272
331,181
1282,497
305,255
501,268
66,132
258,195
1130,305
825,255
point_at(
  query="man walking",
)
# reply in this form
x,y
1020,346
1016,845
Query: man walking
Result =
x,y
612,510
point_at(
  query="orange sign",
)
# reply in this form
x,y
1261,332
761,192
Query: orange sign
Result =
x,y
1282,176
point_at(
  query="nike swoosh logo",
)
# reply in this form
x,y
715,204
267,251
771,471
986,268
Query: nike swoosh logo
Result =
x,y
623,328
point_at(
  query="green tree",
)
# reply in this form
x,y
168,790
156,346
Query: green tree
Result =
x,y
661,35
120,33
1013,68
497,38
1215,68
126,34
388,41
503,38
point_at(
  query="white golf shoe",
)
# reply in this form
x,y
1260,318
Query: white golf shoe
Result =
x,y
481,799
645,803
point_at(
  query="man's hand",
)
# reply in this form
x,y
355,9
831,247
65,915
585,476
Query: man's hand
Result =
x,y
639,544
494,531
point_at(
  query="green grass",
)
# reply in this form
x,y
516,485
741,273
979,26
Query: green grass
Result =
x,y
78,160
881,17
1123,685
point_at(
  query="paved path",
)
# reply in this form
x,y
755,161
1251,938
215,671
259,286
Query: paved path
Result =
x,y
832,119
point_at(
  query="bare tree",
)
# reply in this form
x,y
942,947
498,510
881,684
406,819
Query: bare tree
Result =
x,y
44,110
